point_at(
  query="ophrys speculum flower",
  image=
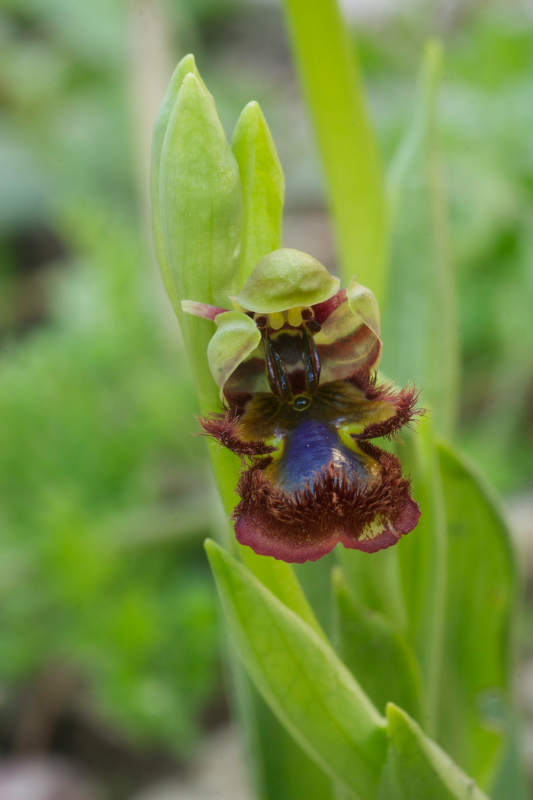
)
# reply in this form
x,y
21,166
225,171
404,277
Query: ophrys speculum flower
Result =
x,y
296,364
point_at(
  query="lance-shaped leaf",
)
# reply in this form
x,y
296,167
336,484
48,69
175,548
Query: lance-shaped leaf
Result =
x,y
417,768
279,577
302,679
199,213
480,598
263,188
421,321
376,582
332,82
379,656
288,771
423,563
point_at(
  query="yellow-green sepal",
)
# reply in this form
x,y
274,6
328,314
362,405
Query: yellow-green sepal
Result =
x,y
284,279
235,339
364,306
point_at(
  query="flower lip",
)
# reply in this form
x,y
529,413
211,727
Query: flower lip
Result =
x,y
307,524
286,279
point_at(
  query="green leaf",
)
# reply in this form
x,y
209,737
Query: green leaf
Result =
x,y
423,564
379,656
333,86
420,329
288,771
263,188
511,782
301,678
198,217
376,581
280,578
417,769
480,599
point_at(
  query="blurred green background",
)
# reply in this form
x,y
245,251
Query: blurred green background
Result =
x,y
109,643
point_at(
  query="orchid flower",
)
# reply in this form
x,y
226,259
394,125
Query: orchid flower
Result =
x,y
295,360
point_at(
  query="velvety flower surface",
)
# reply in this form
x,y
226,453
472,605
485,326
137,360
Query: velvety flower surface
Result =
x,y
296,366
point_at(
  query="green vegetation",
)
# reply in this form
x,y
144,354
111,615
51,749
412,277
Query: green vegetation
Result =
x,y
102,488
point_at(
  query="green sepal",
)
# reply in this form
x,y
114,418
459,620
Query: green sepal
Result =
x,y
263,188
417,768
285,279
364,306
302,679
236,337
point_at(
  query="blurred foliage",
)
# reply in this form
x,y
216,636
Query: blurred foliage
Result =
x,y
102,514
99,513
102,491
485,119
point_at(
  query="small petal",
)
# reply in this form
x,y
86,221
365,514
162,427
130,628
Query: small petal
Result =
x,y
364,306
202,309
349,341
225,428
402,411
284,279
237,336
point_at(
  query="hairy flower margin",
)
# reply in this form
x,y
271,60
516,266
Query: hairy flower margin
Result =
x,y
296,365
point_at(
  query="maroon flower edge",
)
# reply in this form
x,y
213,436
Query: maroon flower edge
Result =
x,y
309,523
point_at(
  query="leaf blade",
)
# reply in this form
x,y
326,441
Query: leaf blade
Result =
x,y
417,769
421,321
482,579
333,85
309,689
378,655
423,565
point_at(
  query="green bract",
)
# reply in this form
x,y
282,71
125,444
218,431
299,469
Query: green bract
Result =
x,y
285,279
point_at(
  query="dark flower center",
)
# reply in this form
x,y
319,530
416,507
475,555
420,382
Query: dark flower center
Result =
x,y
290,352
